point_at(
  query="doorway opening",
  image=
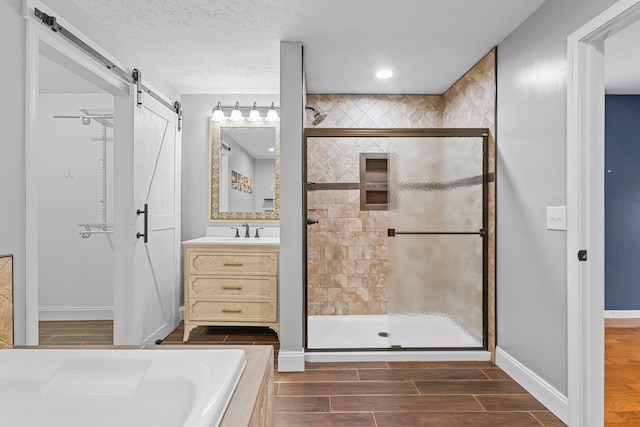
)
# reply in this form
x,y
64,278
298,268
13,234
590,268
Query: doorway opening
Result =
x,y
75,198
585,209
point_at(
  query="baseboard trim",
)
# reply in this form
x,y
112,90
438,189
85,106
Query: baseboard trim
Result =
x,y
555,401
291,361
622,314
75,313
396,356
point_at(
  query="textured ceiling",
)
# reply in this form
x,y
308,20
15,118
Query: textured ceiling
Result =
x,y
232,46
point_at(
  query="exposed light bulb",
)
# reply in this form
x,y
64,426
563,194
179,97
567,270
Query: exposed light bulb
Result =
x,y
236,114
272,114
254,114
218,114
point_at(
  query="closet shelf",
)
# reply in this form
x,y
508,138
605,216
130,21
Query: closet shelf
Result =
x,y
95,228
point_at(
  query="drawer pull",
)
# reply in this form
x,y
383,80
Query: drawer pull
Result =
x,y
238,263
231,287
231,310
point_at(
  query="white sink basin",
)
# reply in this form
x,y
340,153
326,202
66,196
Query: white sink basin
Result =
x,y
236,240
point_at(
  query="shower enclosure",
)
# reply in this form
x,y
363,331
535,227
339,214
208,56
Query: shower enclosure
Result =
x,y
396,239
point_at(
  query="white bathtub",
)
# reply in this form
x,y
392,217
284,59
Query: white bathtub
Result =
x,y
74,388
359,334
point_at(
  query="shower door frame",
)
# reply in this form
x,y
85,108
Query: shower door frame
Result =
x,y
484,232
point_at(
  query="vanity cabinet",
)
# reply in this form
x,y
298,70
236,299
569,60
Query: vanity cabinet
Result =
x,y
230,285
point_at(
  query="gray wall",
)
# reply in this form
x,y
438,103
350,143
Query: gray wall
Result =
x,y
195,156
531,174
12,153
291,216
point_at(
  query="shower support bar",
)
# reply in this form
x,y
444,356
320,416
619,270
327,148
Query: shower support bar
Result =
x,y
391,232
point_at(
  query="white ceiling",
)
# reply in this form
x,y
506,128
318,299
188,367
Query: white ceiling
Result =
x,y
254,140
232,46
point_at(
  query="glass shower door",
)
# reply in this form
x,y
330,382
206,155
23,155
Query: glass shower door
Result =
x,y
437,242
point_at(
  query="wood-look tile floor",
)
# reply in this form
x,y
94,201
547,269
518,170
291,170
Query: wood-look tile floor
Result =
x,y
403,394
75,332
622,372
380,394
387,394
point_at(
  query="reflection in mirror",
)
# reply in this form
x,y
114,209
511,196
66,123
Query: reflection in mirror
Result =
x,y
245,170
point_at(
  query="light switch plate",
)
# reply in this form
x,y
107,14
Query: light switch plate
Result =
x,y
556,217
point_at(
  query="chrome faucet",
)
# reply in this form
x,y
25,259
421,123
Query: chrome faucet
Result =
x,y
246,230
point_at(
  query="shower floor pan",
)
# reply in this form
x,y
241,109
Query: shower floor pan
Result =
x,y
384,332
362,339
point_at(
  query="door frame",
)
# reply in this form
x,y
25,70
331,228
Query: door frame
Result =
x,y
393,133
64,53
585,211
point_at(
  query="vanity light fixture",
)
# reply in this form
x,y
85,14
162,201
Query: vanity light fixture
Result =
x,y
254,114
236,114
384,74
218,114
272,114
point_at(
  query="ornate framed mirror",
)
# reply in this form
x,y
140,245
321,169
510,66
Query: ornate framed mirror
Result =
x,y
244,166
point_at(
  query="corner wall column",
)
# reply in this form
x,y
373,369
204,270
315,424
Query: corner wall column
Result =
x,y
291,304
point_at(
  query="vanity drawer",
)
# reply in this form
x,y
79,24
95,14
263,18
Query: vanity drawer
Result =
x,y
233,311
206,262
225,287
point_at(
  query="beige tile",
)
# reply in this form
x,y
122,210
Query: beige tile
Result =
x,y
469,103
355,224
355,252
354,280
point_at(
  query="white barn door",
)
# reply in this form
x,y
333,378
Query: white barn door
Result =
x,y
147,301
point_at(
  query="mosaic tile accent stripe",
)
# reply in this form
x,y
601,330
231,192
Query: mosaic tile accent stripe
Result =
x,y
6,302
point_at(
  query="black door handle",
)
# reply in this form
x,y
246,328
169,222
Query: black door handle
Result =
x,y
145,211
312,221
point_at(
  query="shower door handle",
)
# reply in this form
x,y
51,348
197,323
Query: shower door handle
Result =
x,y
144,212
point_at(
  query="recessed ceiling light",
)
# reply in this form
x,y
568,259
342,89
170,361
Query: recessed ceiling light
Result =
x,y
272,149
384,74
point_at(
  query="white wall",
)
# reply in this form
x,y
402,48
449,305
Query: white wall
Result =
x,y
75,274
263,187
244,164
531,174
12,153
195,157
291,291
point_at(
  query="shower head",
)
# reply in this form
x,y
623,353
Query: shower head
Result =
x,y
318,115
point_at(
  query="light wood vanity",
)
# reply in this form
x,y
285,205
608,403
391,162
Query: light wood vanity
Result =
x,y
230,282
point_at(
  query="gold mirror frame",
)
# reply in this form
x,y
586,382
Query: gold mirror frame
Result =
x,y
214,173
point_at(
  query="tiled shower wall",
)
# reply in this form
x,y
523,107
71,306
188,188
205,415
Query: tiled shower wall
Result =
x,y
347,250
6,302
